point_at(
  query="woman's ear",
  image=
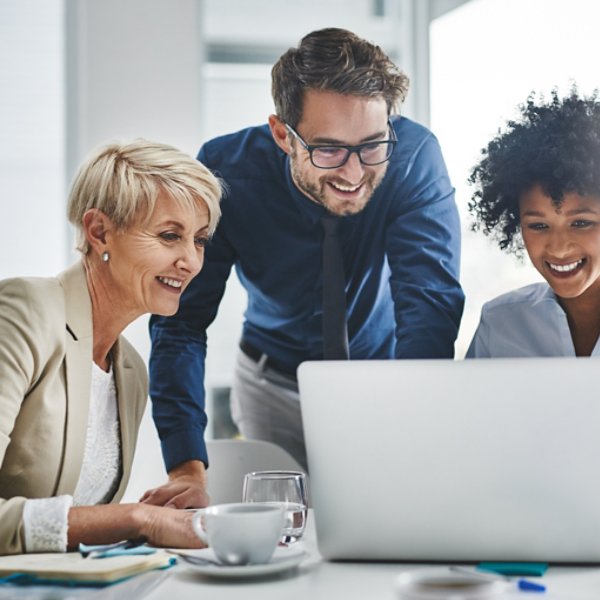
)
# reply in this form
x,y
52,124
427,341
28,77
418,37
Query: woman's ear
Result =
x,y
279,133
96,225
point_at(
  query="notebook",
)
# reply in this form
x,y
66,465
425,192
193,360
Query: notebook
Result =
x,y
441,460
72,569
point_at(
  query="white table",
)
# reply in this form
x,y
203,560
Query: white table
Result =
x,y
315,579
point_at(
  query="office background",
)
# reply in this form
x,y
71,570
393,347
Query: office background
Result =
x,y
76,73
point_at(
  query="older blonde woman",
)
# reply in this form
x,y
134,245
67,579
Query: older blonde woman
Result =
x,y
72,390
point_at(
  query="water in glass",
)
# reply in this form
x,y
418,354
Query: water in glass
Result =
x,y
284,488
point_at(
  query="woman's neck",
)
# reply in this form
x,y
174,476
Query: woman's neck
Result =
x,y
110,315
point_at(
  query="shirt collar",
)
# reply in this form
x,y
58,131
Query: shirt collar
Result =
x,y
547,295
78,305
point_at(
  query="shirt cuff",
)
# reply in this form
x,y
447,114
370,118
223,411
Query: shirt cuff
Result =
x,y
45,523
182,446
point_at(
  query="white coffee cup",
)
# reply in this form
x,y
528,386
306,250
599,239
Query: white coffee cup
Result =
x,y
240,533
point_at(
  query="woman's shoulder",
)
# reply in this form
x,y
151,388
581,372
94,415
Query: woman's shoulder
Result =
x,y
526,296
32,296
29,284
516,324
32,326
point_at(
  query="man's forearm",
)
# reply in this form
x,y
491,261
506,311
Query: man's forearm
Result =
x,y
194,469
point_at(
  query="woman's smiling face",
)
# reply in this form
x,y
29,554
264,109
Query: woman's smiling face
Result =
x,y
153,262
563,243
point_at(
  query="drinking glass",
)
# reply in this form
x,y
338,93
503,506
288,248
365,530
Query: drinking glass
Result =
x,y
284,488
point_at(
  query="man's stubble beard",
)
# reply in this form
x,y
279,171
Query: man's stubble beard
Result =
x,y
317,192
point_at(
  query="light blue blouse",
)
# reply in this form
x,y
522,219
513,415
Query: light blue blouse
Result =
x,y
525,322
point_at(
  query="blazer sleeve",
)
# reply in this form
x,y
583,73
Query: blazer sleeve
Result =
x,y
25,326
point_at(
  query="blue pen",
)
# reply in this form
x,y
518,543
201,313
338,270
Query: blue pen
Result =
x,y
122,547
524,585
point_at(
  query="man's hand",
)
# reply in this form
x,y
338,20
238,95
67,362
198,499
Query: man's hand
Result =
x,y
186,488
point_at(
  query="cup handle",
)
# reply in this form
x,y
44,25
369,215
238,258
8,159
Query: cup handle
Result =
x,y
197,526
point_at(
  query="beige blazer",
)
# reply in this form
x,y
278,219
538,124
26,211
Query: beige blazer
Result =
x,y
45,380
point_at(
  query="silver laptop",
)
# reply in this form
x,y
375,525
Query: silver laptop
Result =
x,y
440,460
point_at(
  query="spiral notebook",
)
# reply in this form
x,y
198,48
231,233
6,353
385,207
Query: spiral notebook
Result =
x,y
440,460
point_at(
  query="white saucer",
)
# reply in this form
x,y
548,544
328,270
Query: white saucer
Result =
x,y
283,559
438,583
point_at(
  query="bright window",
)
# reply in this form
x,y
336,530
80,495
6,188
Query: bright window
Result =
x,y
486,57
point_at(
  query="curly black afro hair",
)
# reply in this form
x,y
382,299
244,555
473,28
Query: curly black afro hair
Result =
x,y
555,144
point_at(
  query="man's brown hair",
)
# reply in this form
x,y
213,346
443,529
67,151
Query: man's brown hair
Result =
x,y
339,61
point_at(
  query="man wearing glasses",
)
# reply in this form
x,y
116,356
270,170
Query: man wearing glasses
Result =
x,y
335,188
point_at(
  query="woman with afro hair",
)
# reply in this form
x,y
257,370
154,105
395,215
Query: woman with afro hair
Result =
x,y
538,189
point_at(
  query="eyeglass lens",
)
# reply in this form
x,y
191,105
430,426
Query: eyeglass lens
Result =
x,y
335,156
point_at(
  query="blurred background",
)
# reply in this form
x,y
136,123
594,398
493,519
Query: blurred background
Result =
x,y
76,73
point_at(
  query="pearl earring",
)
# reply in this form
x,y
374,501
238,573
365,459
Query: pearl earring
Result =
x,y
105,256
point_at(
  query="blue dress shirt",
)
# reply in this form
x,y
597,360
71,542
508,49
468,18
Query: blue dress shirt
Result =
x,y
401,256
525,322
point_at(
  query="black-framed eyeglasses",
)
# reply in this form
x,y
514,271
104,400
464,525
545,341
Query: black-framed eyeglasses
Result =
x,y
329,156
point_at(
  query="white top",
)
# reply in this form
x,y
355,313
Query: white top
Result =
x,y
45,520
525,322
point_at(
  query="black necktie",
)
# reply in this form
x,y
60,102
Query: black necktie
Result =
x,y
335,333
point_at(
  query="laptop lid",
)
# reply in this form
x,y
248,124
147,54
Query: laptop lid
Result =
x,y
441,460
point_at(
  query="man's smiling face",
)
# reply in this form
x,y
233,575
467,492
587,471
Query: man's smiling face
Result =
x,y
330,118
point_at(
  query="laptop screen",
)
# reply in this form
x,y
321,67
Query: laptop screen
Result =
x,y
454,460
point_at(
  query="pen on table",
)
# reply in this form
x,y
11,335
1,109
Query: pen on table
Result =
x,y
523,584
101,550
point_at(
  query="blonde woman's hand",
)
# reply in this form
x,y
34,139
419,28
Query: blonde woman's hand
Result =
x,y
169,528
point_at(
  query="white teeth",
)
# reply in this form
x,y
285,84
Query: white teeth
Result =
x,y
566,268
172,282
344,188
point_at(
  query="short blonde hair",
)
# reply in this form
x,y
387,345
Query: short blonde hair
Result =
x,y
123,180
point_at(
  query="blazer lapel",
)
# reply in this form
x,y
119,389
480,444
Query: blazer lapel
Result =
x,y
131,394
78,373
126,392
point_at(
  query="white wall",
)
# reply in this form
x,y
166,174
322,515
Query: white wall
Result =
x,y
33,240
283,22
137,72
